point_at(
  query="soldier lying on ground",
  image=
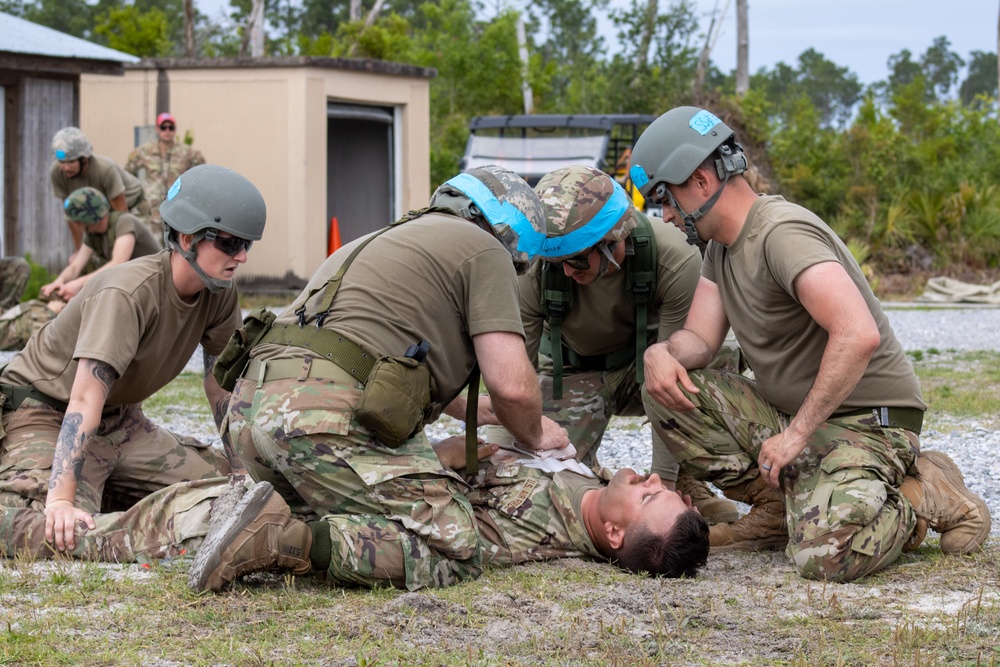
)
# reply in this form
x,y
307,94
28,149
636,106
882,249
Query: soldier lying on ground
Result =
x,y
523,514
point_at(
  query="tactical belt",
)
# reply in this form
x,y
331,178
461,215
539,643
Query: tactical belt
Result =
x,y
288,369
912,419
610,361
327,344
16,395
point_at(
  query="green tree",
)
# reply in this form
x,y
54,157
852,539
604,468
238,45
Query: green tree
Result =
x,y
143,34
572,47
833,91
981,79
941,65
73,17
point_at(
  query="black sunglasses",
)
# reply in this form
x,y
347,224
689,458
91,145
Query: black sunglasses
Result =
x,y
581,262
231,245
168,127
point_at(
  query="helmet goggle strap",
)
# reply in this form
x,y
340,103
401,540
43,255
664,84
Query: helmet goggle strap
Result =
x,y
606,251
213,284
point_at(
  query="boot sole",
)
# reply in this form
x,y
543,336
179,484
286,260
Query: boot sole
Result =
x,y
210,554
945,463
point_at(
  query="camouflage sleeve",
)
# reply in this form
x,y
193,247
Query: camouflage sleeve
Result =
x,y
197,158
134,162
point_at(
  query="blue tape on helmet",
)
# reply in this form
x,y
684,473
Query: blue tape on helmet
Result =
x,y
703,122
638,175
174,189
590,234
498,213
60,154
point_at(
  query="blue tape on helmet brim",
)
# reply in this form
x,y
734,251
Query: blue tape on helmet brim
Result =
x,y
498,213
638,175
60,155
590,234
174,189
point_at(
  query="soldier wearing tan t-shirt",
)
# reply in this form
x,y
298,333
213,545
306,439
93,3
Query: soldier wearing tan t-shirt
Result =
x,y
591,251
112,238
827,434
76,167
72,398
445,278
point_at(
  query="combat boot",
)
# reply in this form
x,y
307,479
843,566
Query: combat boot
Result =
x,y
259,535
941,499
762,528
712,508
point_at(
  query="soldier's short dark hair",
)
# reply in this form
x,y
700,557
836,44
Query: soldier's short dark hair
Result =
x,y
678,553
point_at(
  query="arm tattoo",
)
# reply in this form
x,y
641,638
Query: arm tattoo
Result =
x,y
220,408
69,448
209,362
105,374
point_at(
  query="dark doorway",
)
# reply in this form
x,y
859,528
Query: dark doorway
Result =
x,y
359,159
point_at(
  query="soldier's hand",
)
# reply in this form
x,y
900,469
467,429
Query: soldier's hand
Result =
x,y
554,436
61,519
667,379
778,451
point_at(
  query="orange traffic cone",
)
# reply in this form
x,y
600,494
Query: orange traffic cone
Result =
x,y
333,242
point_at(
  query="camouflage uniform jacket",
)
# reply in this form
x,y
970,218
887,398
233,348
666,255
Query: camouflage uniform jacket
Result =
x,y
158,172
525,514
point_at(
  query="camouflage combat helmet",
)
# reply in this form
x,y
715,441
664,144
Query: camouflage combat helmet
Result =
x,y
674,146
502,199
70,143
584,207
86,205
205,200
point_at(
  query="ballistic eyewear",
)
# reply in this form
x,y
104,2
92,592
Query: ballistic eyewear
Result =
x,y
231,245
581,262
168,127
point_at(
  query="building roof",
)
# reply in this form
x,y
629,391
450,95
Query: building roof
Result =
x,y
24,37
321,62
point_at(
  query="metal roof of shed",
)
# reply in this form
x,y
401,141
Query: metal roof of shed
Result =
x,y
20,36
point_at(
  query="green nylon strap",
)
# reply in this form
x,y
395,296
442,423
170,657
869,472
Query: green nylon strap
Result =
x,y
329,344
16,395
641,278
471,412
557,295
333,284
556,353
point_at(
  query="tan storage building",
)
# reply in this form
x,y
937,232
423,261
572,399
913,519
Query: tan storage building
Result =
x,y
321,138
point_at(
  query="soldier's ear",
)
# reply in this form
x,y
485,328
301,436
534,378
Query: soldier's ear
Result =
x,y
615,534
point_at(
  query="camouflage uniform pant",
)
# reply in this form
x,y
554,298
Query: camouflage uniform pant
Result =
x,y
591,398
846,517
14,274
129,458
394,515
21,322
164,524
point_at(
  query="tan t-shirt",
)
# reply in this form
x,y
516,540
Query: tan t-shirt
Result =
x,y
102,173
120,224
130,317
438,278
782,342
602,318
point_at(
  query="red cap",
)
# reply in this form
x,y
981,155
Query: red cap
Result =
x,y
164,116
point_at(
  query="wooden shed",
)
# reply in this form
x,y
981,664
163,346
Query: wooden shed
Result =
x,y
40,71
322,138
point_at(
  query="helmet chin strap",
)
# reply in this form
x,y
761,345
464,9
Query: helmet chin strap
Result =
x,y
214,285
690,219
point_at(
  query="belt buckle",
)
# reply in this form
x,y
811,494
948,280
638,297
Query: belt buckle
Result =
x,y
883,416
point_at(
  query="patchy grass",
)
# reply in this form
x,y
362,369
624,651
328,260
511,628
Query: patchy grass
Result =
x,y
961,384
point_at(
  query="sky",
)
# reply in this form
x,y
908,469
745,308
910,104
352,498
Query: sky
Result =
x,y
857,34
